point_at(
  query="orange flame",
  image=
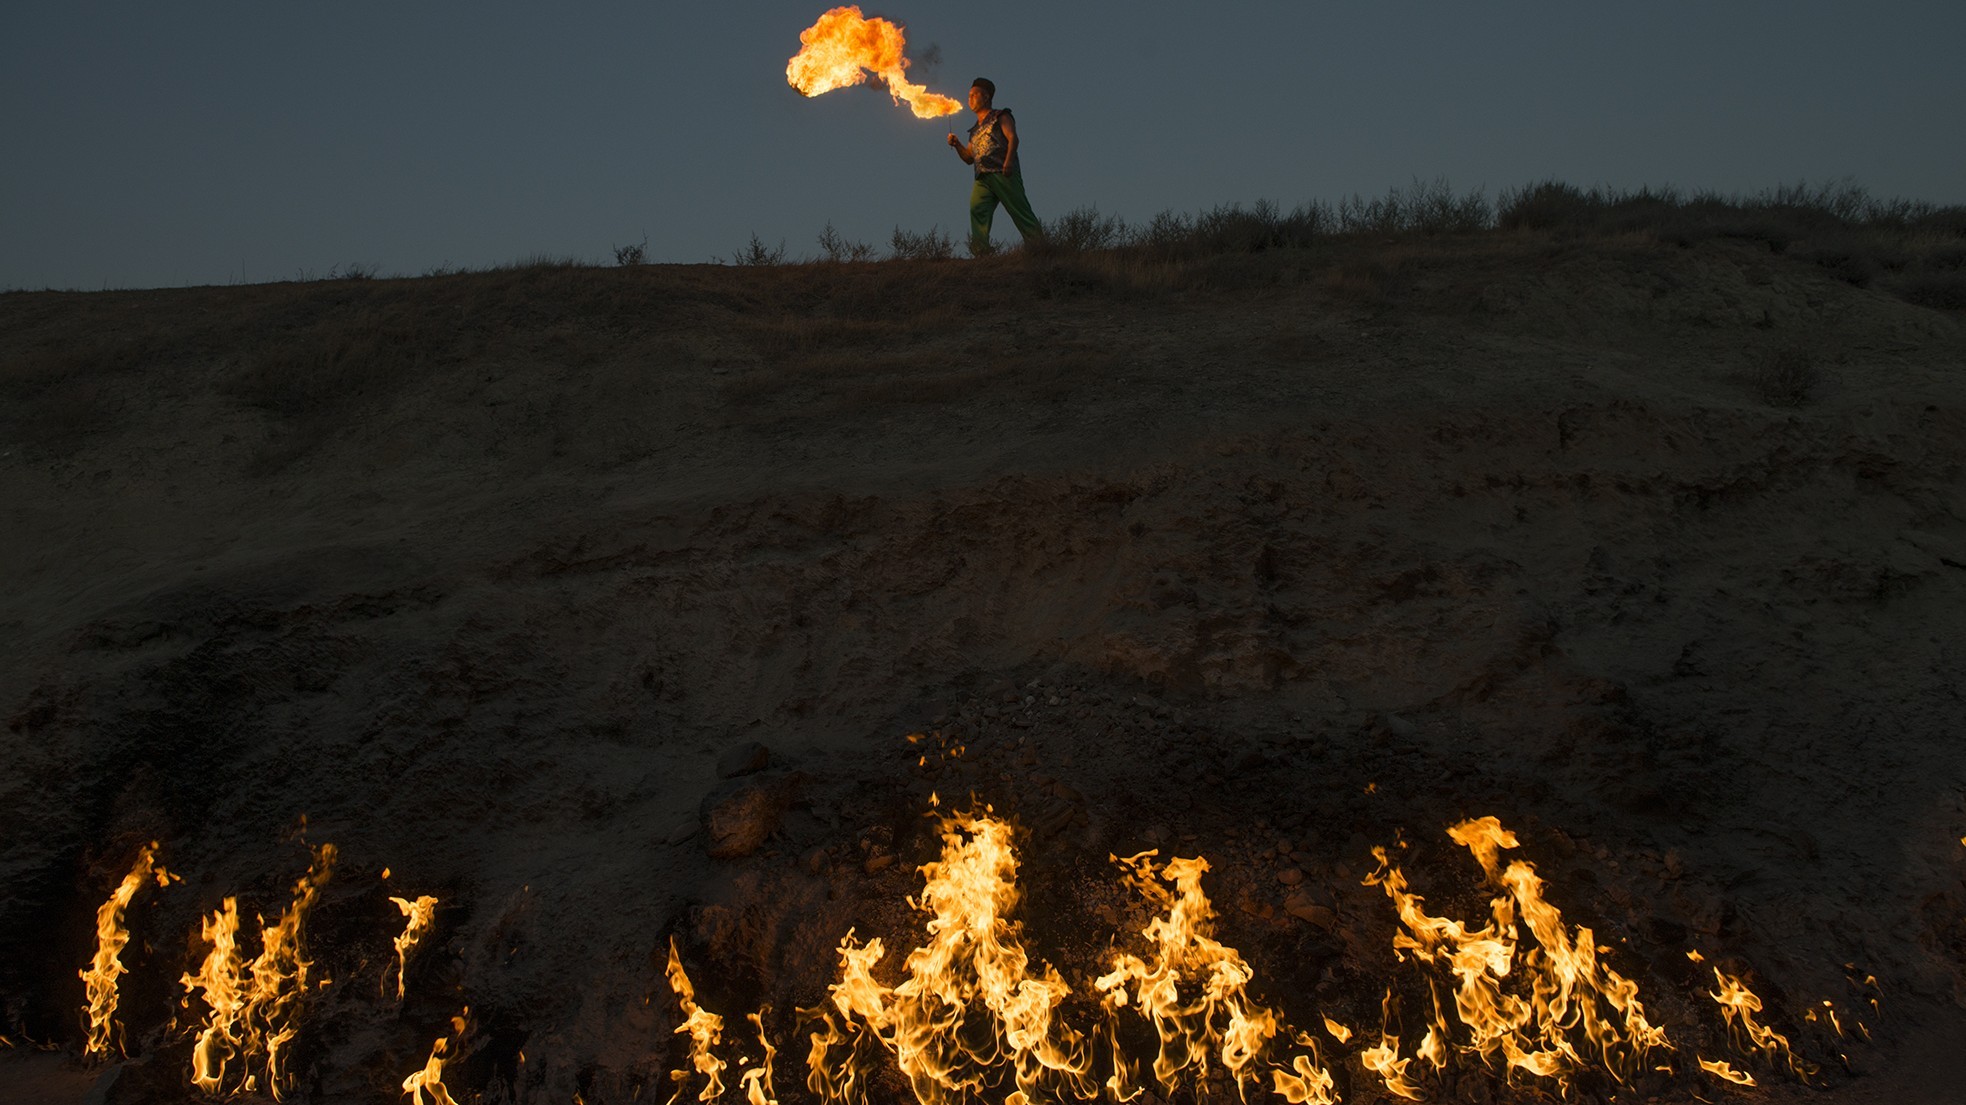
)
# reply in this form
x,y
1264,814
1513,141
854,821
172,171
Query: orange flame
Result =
x,y
422,914
704,1028
844,46
430,1080
1192,987
1720,1068
1738,1005
973,1011
252,1009
99,978
757,1081
969,1002
1572,1004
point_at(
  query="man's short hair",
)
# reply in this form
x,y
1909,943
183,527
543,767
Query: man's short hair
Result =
x,y
988,86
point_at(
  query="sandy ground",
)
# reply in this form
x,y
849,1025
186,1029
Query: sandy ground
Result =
x,y
1263,570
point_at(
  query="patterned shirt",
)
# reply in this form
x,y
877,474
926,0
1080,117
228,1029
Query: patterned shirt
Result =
x,y
987,141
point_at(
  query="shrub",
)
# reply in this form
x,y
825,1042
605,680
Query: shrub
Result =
x,y
1084,229
634,254
931,245
836,249
756,253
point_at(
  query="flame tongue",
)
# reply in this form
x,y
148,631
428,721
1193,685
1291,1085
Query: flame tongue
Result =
x,y
100,976
252,1007
844,46
1538,1007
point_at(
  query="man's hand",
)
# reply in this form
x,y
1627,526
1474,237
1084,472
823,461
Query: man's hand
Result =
x,y
953,144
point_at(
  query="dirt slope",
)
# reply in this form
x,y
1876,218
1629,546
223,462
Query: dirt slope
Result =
x,y
1270,558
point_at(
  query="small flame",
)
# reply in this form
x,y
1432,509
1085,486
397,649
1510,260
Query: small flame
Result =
x,y
704,1028
422,913
844,46
430,1080
1338,1031
99,978
1738,1005
1720,1068
252,1008
1384,1061
757,1081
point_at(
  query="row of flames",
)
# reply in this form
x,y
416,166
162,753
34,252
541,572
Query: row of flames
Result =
x,y
250,1007
1520,993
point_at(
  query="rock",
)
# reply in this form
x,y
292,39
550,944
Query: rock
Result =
x,y
879,862
1399,726
1304,908
741,814
748,758
1290,876
682,831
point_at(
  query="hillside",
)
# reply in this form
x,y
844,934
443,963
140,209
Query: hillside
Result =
x,y
1655,552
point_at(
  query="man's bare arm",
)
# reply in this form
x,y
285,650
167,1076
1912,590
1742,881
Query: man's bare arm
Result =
x,y
1009,144
962,151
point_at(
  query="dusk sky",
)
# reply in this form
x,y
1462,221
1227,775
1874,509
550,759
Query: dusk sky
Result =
x,y
219,142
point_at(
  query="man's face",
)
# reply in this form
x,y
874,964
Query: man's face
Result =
x,y
977,100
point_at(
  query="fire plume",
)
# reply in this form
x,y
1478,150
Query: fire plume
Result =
x,y
429,1082
99,978
1545,1008
844,46
422,914
969,1003
1738,1005
704,1029
252,1008
1190,987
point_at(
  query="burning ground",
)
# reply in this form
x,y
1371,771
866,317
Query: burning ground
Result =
x,y
482,639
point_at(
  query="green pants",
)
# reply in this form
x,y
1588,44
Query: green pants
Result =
x,y
990,190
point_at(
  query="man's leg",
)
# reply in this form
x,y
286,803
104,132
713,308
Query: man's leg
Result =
x,y
1010,190
982,211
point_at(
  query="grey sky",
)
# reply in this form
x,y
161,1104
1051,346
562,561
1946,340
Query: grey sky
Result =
x,y
209,142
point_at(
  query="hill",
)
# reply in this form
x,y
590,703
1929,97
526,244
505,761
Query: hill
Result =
x,y
1656,551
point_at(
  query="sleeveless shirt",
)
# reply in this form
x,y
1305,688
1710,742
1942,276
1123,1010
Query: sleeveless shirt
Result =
x,y
987,141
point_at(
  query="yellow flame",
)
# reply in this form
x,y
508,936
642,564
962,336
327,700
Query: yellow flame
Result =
x,y
1384,1061
844,46
1536,1007
1738,1005
219,983
1338,1031
252,1009
422,913
1720,1068
969,1003
430,1080
99,978
757,1081
1191,987
704,1029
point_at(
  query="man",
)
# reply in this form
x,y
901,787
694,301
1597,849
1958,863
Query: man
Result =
x,y
992,148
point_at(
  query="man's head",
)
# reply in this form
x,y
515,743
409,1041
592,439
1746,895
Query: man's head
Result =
x,y
982,93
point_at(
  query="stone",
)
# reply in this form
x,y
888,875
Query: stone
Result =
x,y
1290,876
740,815
748,758
1304,908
